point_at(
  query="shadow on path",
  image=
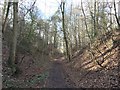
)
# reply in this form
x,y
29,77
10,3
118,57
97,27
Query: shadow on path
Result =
x,y
56,77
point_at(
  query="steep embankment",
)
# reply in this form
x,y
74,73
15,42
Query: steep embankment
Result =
x,y
97,66
33,70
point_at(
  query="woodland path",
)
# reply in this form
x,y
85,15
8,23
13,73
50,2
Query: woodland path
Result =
x,y
57,77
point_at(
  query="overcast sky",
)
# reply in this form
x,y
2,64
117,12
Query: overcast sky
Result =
x,y
48,7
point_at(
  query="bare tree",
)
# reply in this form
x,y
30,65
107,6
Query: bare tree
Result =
x,y
14,37
64,32
117,18
4,22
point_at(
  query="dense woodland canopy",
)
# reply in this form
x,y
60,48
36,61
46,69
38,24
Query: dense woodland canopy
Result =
x,y
69,31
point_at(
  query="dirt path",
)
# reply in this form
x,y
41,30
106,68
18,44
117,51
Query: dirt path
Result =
x,y
57,77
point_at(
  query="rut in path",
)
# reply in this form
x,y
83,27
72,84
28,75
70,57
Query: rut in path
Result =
x,y
56,77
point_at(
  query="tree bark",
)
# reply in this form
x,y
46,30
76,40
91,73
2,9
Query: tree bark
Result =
x,y
64,32
117,18
14,37
4,21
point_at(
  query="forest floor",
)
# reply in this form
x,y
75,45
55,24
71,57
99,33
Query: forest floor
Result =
x,y
62,75
33,72
102,78
58,74
82,71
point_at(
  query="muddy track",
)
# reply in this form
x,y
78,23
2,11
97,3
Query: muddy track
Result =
x,y
57,77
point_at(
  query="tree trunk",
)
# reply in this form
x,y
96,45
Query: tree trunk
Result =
x,y
4,21
55,36
117,18
64,32
14,37
86,22
119,11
